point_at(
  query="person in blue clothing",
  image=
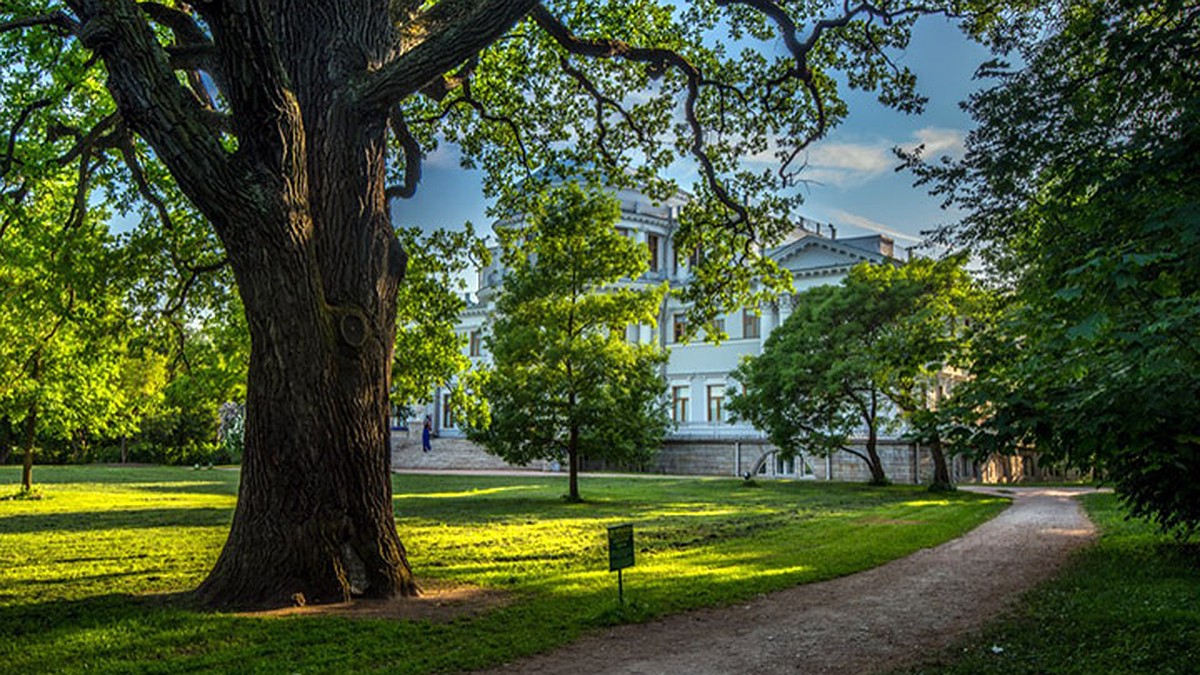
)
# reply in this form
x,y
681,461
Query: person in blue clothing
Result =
x,y
426,433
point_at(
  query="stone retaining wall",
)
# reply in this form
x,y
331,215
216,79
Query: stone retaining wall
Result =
x,y
902,462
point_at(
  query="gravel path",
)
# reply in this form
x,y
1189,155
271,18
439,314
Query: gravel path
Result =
x,y
874,620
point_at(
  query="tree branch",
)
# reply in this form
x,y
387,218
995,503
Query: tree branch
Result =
x,y
658,59
602,101
412,158
22,118
447,34
65,24
159,108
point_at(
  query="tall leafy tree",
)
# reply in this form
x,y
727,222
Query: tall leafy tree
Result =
x,y
289,127
565,382
1081,184
65,365
857,359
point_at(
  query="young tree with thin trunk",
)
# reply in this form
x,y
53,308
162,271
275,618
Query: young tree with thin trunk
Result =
x,y
565,383
290,126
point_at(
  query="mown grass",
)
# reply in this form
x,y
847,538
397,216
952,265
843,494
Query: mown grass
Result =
x,y
94,576
1129,604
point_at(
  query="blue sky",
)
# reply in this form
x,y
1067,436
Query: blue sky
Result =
x,y
854,185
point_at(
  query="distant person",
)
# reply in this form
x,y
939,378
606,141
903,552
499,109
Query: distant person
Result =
x,y
426,435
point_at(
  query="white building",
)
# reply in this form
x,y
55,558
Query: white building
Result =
x,y
698,373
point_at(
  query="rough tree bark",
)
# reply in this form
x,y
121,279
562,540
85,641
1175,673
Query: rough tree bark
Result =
x,y
941,471
301,208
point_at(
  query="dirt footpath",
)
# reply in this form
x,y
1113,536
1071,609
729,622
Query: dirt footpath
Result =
x,y
874,620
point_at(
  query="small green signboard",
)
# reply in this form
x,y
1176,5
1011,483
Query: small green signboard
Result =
x,y
620,553
620,547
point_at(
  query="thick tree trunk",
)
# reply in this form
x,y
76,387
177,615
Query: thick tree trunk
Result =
x,y
941,471
318,278
314,520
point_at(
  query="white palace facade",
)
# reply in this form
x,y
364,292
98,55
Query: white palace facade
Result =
x,y
703,440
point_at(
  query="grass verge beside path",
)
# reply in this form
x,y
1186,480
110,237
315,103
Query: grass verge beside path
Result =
x,y
1128,604
87,574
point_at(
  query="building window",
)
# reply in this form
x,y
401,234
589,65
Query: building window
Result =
x,y
679,404
751,324
785,466
447,413
654,243
476,343
694,259
678,327
718,325
716,403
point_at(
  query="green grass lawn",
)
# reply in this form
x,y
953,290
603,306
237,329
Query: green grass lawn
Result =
x,y
1129,604
94,575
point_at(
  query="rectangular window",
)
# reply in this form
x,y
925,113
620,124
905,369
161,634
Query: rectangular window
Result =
x,y
751,324
476,343
447,413
654,243
679,404
716,403
678,327
719,325
694,259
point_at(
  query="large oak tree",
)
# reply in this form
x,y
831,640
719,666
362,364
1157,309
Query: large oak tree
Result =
x,y
290,125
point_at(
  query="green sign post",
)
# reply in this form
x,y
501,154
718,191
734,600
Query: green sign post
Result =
x,y
620,553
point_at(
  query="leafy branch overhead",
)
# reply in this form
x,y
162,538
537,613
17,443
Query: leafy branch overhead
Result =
x,y
524,87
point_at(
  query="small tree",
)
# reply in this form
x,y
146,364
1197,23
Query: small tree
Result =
x,y
814,385
860,356
565,382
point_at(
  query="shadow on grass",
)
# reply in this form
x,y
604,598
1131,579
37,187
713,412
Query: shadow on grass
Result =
x,y
39,618
92,521
228,489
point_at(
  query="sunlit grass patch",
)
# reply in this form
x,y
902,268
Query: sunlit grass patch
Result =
x,y
82,572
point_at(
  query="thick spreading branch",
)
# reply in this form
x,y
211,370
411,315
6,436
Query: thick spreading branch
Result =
x,y
22,118
412,158
446,35
65,24
160,109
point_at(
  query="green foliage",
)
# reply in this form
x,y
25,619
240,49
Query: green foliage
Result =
x,y
1082,185
565,382
862,355
1129,604
92,574
428,351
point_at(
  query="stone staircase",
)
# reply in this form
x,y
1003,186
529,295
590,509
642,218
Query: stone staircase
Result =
x,y
448,453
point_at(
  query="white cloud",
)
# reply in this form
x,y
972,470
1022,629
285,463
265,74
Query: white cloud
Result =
x,y
939,142
848,164
871,225
853,157
446,156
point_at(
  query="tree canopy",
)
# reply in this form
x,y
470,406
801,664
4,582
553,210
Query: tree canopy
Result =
x,y
565,382
1081,184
